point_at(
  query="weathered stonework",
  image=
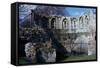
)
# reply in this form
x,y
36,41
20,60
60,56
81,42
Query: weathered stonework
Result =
x,y
75,33
30,52
41,54
47,54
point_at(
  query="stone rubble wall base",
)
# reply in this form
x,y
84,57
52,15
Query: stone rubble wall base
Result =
x,y
44,54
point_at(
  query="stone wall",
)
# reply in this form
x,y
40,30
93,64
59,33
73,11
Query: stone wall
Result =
x,y
75,33
30,52
41,54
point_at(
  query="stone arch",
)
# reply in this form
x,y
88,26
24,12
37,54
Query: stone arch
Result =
x,y
86,19
74,19
73,23
81,21
65,23
53,20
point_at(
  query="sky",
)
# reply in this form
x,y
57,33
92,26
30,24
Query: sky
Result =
x,y
72,11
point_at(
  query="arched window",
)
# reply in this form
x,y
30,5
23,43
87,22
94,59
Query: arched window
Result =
x,y
86,19
81,22
73,24
65,23
74,21
53,22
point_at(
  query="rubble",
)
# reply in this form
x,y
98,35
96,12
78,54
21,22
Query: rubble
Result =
x,y
40,53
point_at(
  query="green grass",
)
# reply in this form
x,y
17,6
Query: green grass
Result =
x,y
23,60
80,57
